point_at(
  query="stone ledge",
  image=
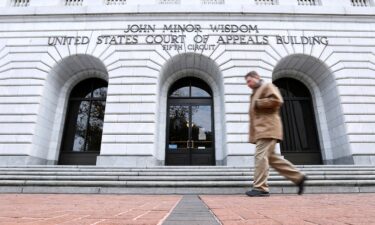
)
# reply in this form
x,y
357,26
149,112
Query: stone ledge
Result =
x,y
196,9
182,190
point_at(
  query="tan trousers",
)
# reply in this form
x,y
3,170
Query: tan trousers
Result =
x,y
265,156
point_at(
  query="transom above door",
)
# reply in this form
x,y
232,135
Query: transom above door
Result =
x,y
190,130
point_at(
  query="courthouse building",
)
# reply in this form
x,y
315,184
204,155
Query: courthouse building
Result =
x,y
161,82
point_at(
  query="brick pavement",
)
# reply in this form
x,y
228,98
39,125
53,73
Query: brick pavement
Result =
x,y
43,209
324,209
327,209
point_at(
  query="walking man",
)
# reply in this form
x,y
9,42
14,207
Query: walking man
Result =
x,y
265,131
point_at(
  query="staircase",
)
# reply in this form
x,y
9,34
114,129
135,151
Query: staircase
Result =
x,y
177,180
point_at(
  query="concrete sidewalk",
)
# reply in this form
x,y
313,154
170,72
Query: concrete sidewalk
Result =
x,y
40,209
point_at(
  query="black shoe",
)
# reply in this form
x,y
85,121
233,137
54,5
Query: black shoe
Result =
x,y
256,193
301,185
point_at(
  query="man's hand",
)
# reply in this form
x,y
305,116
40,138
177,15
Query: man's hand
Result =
x,y
271,99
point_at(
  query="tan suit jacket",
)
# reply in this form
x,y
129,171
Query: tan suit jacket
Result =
x,y
264,113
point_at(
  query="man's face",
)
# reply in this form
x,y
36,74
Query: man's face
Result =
x,y
252,82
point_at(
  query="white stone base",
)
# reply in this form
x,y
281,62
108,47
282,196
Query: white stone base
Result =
x,y
346,160
364,159
239,160
128,160
21,160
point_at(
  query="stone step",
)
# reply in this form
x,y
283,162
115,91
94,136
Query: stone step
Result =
x,y
177,180
181,187
167,168
164,167
84,183
189,173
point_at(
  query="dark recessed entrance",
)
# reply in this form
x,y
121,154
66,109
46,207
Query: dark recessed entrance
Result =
x,y
84,123
301,142
190,129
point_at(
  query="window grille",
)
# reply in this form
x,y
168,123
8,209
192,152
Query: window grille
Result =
x,y
308,2
212,2
73,2
115,2
265,2
361,3
167,2
20,3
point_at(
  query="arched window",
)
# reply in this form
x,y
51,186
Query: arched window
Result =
x,y
301,142
190,88
84,123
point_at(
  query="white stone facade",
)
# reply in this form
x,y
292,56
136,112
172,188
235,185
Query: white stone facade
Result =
x,y
36,78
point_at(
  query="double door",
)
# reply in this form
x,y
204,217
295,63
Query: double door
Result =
x,y
190,132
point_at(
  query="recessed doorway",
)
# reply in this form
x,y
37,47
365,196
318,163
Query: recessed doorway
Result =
x,y
301,141
190,123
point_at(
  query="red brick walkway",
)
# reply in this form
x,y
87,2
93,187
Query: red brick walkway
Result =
x,y
44,209
293,209
324,209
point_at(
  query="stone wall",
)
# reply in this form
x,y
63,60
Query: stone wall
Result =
x,y
35,78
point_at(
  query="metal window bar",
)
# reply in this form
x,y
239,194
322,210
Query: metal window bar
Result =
x,y
212,2
73,2
308,2
266,2
20,3
115,2
361,3
169,2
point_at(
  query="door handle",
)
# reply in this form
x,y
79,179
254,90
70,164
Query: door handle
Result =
x,y
188,144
